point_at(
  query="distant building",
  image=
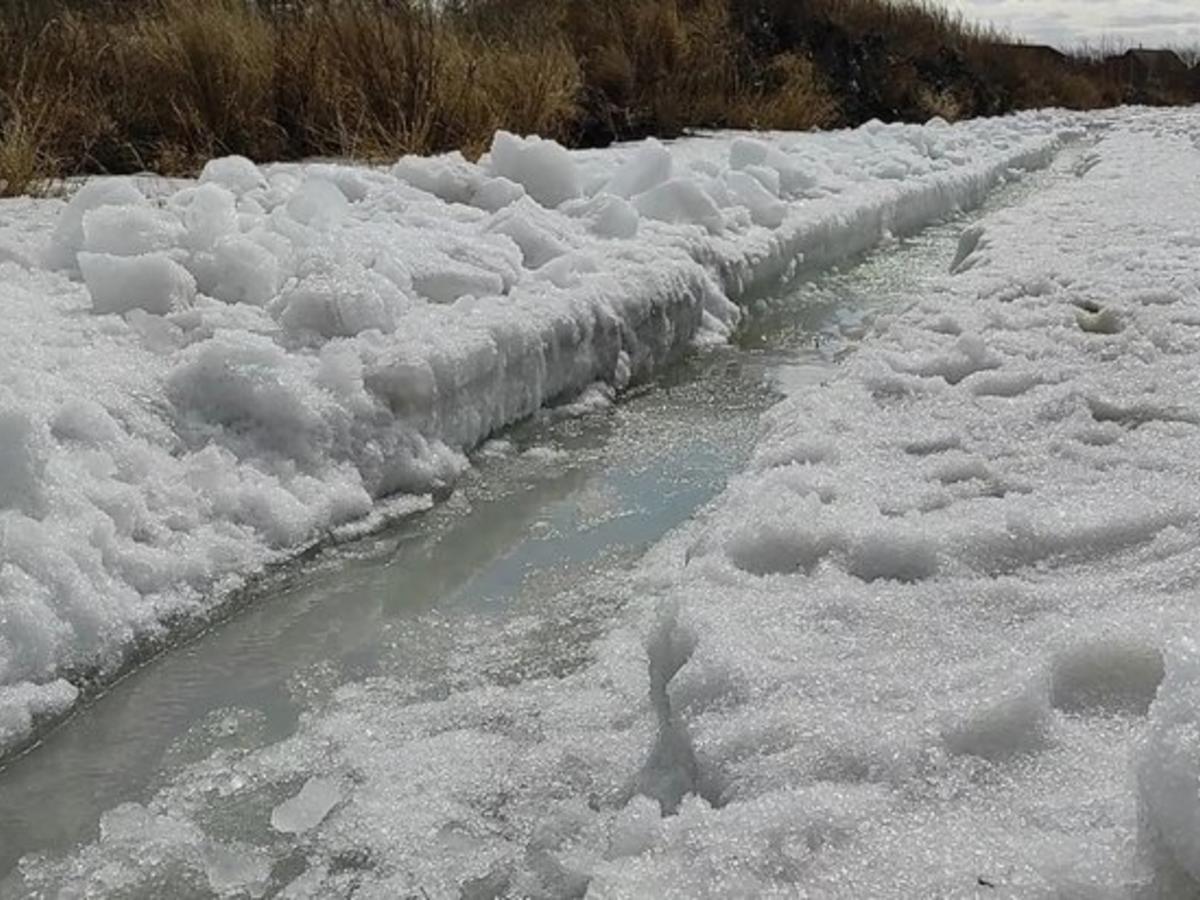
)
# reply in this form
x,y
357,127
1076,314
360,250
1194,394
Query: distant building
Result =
x,y
1150,73
1035,53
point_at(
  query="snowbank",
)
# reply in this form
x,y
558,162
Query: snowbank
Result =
x,y
203,377
942,612
920,648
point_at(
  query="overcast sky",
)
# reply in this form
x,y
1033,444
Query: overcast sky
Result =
x,y
1064,22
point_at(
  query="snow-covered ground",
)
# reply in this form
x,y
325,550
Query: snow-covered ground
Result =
x,y
201,378
939,640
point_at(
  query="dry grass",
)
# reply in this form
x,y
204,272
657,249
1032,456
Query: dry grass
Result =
x,y
527,89
22,166
210,70
659,66
387,84
359,81
943,103
896,60
122,85
793,96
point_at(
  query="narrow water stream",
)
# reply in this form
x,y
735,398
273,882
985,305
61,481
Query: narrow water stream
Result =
x,y
553,507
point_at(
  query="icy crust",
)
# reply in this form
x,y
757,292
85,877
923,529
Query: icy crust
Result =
x,y
957,587
939,640
953,582
203,377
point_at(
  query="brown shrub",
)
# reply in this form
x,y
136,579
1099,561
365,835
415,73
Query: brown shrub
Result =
x,y
484,87
47,114
793,97
657,66
202,75
358,79
23,168
121,85
373,82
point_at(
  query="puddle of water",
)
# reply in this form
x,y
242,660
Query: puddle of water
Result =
x,y
574,499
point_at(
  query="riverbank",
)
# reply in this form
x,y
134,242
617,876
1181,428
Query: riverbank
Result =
x,y
208,377
165,85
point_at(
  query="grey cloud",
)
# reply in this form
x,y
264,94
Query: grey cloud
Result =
x,y
1065,22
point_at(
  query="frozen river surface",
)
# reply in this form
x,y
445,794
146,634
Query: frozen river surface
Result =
x,y
879,584
505,579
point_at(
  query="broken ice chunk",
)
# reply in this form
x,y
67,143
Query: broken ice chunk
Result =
x,y
308,808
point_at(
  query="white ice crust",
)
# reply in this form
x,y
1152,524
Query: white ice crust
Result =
x,y
200,378
939,640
